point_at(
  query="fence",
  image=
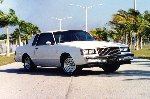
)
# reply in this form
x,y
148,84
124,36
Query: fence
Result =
x,y
3,48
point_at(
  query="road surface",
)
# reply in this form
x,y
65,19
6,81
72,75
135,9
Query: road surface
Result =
x,y
129,82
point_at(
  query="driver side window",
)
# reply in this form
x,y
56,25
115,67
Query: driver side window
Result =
x,y
44,37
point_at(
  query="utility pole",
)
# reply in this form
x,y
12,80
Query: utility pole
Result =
x,y
134,4
60,21
86,21
86,13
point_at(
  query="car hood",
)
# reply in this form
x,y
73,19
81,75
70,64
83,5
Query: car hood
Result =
x,y
122,45
92,44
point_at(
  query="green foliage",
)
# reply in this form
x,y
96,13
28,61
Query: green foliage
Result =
x,y
114,35
15,35
25,29
1,1
99,34
123,22
3,19
127,22
9,19
3,36
123,25
146,32
13,19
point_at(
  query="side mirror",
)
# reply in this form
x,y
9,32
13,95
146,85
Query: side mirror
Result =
x,y
48,43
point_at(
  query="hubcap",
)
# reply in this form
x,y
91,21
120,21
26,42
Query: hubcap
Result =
x,y
69,65
27,63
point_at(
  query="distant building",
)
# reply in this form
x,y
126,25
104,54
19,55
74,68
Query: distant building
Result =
x,y
2,42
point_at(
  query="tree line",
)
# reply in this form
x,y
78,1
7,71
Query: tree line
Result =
x,y
22,33
124,25
24,29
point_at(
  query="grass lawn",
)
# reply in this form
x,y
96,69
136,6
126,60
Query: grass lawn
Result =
x,y
142,53
6,60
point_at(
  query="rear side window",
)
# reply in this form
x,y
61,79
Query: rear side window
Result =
x,y
43,38
35,40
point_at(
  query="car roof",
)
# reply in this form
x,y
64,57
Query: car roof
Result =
x,y
60,31
57,31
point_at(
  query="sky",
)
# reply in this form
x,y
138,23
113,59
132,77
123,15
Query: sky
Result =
x,y
40,12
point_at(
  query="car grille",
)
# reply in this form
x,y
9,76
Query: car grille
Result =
x,y
108,51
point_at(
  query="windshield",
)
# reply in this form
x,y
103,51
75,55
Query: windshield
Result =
x,y
68,36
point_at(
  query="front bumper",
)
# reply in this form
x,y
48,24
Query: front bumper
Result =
x,y
126,58
115,59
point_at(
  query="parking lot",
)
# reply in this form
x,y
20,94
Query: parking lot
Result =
x,y
130,81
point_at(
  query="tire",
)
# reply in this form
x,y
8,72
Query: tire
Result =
x,y
68,65
28,64
110,68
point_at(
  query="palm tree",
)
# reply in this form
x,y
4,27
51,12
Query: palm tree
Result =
x,y
21,24
140,25
7,20
119,23
146,33
27,29
143,27
24,31
123,22
128,22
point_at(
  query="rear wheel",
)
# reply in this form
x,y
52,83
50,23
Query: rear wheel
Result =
x,y
110,68
28,64
68,65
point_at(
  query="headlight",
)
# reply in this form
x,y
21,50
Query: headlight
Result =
x,y
88,51
124,49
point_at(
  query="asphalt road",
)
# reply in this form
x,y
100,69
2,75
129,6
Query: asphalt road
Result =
x,y
129,82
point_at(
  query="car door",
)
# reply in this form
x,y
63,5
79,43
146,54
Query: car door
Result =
x,y
45,53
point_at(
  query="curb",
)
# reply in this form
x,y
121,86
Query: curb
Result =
x,y
3,54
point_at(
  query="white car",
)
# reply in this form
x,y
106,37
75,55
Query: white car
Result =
x,y
72,50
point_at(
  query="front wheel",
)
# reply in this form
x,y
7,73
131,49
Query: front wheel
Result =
x,y
110,68
68,65
28,64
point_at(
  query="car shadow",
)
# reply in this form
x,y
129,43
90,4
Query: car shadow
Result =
x,y
115,74
51,72
136,79
38,71
98,73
